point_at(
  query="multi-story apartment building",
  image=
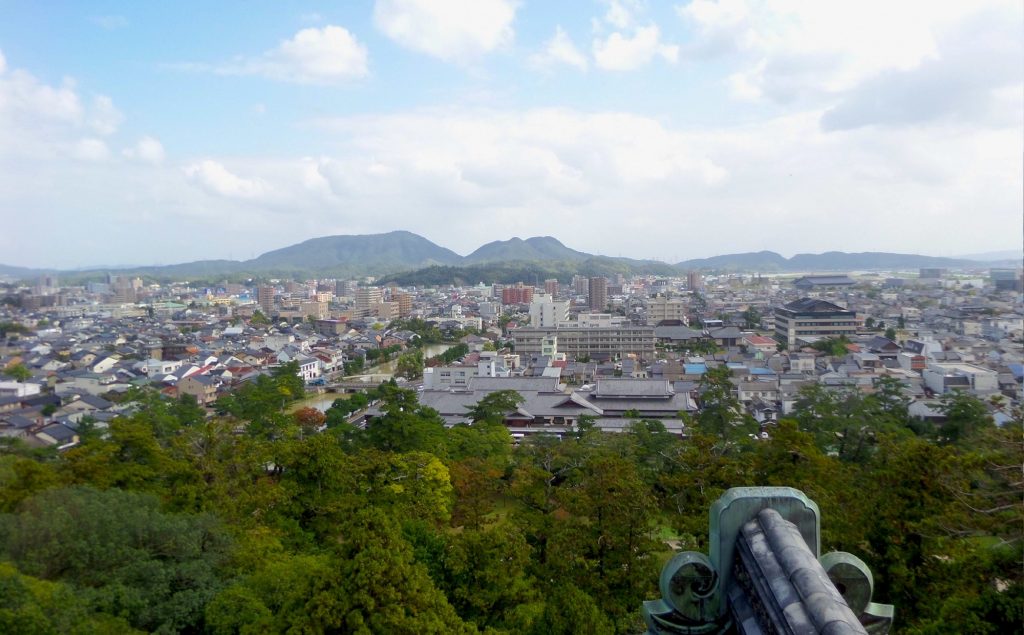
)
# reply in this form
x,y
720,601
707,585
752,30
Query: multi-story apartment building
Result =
x,y
265,298
404,301
595,343
580,284
386,311
694,281
598,294
366,300
661,309
809,318
518,294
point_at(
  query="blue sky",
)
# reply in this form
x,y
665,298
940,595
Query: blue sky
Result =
x,y
168,132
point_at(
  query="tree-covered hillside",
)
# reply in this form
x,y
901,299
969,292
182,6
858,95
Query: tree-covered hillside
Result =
x,y
258,521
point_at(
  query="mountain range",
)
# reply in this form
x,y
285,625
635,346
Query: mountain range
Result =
x,y
405,256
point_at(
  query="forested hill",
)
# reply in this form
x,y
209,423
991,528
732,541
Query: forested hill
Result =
x,y
532,249
255,520
409,257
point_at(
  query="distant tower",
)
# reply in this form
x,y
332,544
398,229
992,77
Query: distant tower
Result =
x,y
265,298
580,284
598,294
404,304
694,281
551,286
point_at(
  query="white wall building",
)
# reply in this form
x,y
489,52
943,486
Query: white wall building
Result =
x,y
547,312
942,378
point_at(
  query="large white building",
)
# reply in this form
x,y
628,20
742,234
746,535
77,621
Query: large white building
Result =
x,y
809,319
546,312
597,343
942,378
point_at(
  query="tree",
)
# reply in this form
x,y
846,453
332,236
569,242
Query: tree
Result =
x,y
404,425
410,365
258,319
18,372
569,610
369,583
288,382
604,548
309,419
890,334
751,317
122,554
965,416
721,414
495,405
869,323
31,605
834,346
485,576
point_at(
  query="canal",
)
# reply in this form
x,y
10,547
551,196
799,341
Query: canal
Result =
x,y
373,377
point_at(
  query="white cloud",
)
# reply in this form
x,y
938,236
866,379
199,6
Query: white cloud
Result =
x,y
39,120
559,50
215,178
605,182
90,149
618,52
326,55
3,62
110,22
793,50
147,149
620,13
104,118
452,30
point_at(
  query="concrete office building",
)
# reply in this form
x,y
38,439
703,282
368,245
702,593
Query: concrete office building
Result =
x,y
661,309
595,343
546,312
809,319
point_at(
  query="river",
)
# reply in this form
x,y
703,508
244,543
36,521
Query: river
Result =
x,y
373,377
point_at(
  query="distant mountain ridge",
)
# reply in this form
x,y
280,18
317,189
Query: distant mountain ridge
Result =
x,y
403,252
828,261
538,248
399,248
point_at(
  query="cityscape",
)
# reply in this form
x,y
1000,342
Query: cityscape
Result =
x,y
501,317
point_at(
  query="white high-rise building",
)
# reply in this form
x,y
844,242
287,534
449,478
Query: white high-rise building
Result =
x,y
546,312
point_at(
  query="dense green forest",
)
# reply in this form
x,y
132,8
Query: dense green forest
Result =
x,y
257,521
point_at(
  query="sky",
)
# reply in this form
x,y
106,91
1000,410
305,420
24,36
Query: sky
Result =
x,y
139,133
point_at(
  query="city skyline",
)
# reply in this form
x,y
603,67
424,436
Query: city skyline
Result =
x,y
146,134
